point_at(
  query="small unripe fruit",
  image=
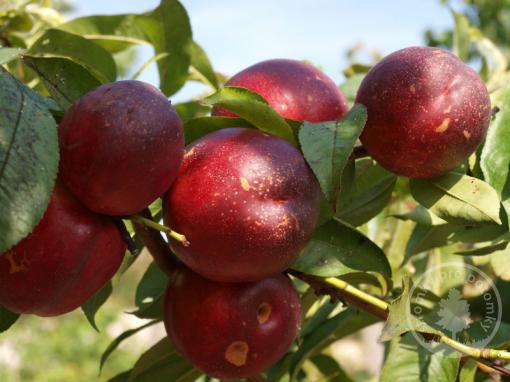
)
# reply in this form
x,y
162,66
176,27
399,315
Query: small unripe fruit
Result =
x,y
121,146
70,255
296,90
427,112
246,201
231,331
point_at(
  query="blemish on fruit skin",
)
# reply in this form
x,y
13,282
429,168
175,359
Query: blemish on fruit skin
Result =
x,y
412,89
443,126
245,184
15,267
448,109
264,313
467,134
237,353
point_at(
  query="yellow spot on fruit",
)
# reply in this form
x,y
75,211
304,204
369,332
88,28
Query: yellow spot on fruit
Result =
x,y
285,222
443,126
245,184
448,109
467,134
189,153
412,89
263,313
15,267
237,353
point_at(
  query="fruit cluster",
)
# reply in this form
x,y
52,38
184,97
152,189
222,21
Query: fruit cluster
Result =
x,y
246,201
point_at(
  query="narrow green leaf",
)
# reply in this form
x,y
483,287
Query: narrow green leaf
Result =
x,y
370,193
495,158
479,234
162,363
65,80
426,237
121,377
500,264
202,65
28,159
253,108
198,127
9,54
337,249
409,361
57,43
113,32
150,291
421,216
458,199
330,369
468,371
461,36
7,319
117,341
91,307
191,109
344,323
485,250
168,29
148,63
327,147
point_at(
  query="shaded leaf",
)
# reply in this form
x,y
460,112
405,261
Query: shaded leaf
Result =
x,y
337,249
65,80
91,307
7,319
198,127
421,216
458,199
461,36
200,62
28,159
9,54
191,109
253,108
424,238
330,368
57,43
327,147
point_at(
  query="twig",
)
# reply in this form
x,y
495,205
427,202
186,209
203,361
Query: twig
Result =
x,y
154,242
359,152
126,237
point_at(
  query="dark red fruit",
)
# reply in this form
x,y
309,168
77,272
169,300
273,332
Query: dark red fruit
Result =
x,y
246,201
427,112
69,256
294,89
121,147
231,331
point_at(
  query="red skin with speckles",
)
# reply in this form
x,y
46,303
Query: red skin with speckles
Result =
x,y
69,256
246,201
203,318
121,146
294,89
427,112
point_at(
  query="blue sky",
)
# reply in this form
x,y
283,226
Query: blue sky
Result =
x,y
237,34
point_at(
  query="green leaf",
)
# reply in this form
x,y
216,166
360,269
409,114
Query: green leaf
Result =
x,y
495,158
28,159
401,320
421,216
91,307
201,64
327,147
479,234
344,323
168,29
330,368
337,249
117,341
468,371
409,361
372,187
461,36
485,250
162,363
426,237
350,86
7,319
9,54
500,264
65,80
151,286
113,32
458,199
253,108
191,109
196,128
121,377
96,59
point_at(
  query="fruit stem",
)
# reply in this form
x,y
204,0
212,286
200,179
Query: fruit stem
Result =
x,y
126,237
339,289
159,227
152,239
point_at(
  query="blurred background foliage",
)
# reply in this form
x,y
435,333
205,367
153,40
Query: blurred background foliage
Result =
x,y
67,348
